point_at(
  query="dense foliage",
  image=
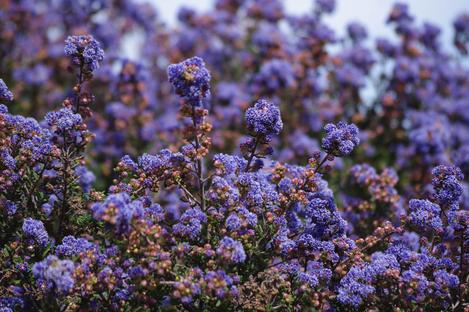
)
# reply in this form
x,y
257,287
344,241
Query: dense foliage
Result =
x,y
248,161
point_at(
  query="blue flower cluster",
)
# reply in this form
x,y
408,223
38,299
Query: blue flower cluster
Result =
x,y
340,139
447,184
5,93
35,230
118,210
425,215
159,185
54,274
264,119
231,251
190,79
84,51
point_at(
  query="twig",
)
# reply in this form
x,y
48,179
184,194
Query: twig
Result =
x,y
253,153
198,162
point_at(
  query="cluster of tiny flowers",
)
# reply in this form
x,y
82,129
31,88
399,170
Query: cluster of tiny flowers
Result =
x,y
231,250
84,51
425,215
118,210
55,274
264,118
5,93
35,230
447,184
190,79
235,165
340,139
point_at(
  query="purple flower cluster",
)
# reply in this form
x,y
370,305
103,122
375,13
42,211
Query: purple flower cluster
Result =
x,y
357,31
446,182
190,79
274,75
264,119
340,139
84,51
35,230
5,93
72,246
54,274
190,223
231,251
327,6
231,199
118,210
86,178
355,287
425,215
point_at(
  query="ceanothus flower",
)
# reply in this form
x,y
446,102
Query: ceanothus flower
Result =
x,y
406,70
72,246
55,274
357,285
270,10
359,58
233,222
35,230
219,284
400,13
5,93
430,35
443,280
64,120
86,178
327,6
461,32
385,47
430,136
190,224
267,37
447,183
340,139
349,75
85,51
64,124
228,164
223,193
3,109
356,31
48,206
127,163
190,79
324,221
286,245
363,174
7,160
231,250
461,23
153,163
264,118
425,215
242,218
10,207
118,210
315,273
274,75
420,285
354,287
